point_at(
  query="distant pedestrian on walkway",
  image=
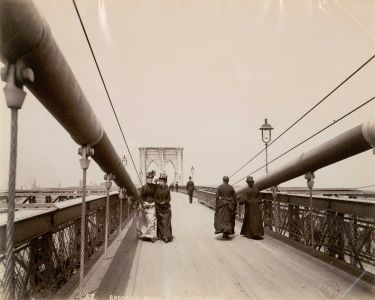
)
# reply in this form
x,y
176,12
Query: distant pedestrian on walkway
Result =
x,y
252,226
225,210
190,189
176,186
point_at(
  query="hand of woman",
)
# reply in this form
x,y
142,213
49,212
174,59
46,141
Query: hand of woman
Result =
x,y
141,204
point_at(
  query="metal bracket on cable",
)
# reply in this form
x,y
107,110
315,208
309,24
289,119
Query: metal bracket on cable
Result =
x,y
15,75
108,177
310,184
85,152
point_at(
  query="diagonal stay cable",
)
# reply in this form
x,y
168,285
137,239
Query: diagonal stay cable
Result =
x,y
364,187
105,87
306,113
310,137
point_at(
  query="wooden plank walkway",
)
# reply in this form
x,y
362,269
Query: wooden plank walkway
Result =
x,y
200,265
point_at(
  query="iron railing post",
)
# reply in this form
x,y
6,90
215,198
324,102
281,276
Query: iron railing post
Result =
x,y
85,152
108,184
15,75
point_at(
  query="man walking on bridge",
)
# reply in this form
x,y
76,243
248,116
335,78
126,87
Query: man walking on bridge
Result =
x,y
190,188
225,211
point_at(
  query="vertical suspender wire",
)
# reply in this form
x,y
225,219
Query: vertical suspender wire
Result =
x,y
83,236
310,184
106,90
311,219
108,185
15,97
9,269
106,229
86,152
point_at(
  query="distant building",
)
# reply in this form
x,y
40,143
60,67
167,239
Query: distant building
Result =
x,y
34,186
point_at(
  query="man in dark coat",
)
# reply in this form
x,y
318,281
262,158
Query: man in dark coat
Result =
x,y
176,186
225,212
190,188
252,226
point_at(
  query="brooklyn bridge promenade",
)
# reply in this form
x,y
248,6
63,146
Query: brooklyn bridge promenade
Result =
x,y
199,264
82,243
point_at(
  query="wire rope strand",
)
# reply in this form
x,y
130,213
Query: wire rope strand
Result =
x,y
105,88
310,137
306,113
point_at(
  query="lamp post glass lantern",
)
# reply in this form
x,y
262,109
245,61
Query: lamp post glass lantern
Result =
x,y
124,161
266,137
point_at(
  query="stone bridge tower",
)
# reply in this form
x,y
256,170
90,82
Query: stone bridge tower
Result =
x,y
161,156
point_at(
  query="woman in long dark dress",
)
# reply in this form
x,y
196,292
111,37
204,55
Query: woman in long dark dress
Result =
x,y
146,225
252,226
163,210
225,209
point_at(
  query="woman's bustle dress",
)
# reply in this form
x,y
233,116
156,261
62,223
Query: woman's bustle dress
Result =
x,y
225,209
252,226
163,213
146,225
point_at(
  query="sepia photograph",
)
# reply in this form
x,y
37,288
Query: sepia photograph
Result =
x,y
187,149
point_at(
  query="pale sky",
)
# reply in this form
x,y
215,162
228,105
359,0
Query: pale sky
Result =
x,y
203,75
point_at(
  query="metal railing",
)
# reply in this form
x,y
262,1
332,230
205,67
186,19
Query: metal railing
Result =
x,y
33,59
49,195
343,228
47,254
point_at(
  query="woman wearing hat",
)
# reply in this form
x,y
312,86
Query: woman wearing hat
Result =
x,y
147,215
225,209
252,226
163,210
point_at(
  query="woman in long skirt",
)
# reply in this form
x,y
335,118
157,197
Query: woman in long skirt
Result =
x,y
225,209
252,226
163,210
147,214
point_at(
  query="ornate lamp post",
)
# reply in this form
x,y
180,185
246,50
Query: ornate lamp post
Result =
x,y
124,161
192,172
266,138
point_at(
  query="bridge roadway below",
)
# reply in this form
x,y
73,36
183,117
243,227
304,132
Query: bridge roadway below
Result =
x,y
199,264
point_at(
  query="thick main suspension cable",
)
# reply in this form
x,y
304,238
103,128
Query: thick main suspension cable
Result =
x,y
310,137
